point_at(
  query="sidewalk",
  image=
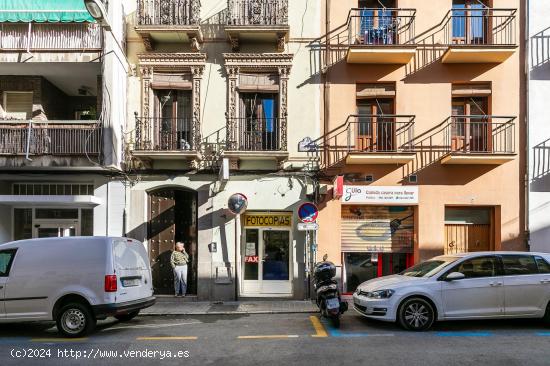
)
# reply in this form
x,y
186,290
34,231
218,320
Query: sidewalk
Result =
x,y
179,306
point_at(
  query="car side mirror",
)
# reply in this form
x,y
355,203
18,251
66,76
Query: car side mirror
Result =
x,y
453,276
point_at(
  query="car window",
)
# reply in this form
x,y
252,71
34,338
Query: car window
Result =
x,y
6,259
478,267
519,265
428,268
542,265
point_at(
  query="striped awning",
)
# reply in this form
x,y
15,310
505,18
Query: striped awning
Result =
x,y
44,11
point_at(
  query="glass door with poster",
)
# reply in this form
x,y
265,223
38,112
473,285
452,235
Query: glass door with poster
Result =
x,y
266,258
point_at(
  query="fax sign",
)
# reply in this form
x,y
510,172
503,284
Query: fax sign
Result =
x,y
308,212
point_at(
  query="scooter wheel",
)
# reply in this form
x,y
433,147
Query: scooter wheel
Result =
x,y
335,321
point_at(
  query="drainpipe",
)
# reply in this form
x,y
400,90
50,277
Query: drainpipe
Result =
x,y
326,84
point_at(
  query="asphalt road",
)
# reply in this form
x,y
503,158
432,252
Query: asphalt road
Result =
x,y
278,339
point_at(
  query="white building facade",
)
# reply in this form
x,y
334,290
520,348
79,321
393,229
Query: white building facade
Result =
x,y
63,85
538,72
222,88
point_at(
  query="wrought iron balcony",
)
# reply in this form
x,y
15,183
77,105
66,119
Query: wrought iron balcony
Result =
x,y
174,136
369,139
66,138
168,21
479,139
256,134
257,20
479,35
32,36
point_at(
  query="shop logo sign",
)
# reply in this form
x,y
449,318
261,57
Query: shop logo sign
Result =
x,y
380,194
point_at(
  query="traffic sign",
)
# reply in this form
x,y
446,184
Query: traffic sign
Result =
x,y
305,226
308,212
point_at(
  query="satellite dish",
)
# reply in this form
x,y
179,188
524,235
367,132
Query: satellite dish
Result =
x,y
237,203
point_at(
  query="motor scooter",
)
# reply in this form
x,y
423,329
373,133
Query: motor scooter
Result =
x,y
327,294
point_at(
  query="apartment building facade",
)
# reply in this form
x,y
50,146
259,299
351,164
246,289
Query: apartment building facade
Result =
x,y
220,95
424,123
60,124
538,166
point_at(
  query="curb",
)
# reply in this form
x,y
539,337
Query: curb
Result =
x,y
233,312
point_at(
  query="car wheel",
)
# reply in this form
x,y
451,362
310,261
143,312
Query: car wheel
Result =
x,y
416,314
75,320
127,317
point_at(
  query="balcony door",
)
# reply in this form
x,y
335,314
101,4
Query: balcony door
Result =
x,y
173,128
471,23
376,126
378,25
470,125
259,125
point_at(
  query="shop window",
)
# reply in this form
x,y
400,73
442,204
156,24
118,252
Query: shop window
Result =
x,y
87,222
22,223
56,213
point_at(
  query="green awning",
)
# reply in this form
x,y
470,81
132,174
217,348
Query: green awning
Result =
x,y
44,11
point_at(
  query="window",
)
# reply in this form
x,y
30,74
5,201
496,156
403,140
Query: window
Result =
x,y
18,105
259,128
22,223
6,259
478,267
56,213
542,265
174,123
470,22
519,265
376,128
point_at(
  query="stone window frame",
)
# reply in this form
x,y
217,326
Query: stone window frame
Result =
x,y
158,62
235,63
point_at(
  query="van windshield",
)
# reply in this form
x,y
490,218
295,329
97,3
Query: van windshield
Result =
x,y
428,268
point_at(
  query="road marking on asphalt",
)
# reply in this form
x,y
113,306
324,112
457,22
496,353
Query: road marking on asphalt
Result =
x,y
168,338
463,334
273,336
151,326
319,329
61,340
544,334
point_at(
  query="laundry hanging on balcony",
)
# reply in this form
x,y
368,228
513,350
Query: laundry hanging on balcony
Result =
x,y
41,11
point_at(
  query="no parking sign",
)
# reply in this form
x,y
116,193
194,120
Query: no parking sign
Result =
x,y
308,212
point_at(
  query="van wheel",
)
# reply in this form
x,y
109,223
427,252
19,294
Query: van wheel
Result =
x,y
416,314
127,317
75,320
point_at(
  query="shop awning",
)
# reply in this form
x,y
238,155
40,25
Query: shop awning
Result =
x,y
44,11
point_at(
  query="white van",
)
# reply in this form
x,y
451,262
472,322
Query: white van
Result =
x,y
74,281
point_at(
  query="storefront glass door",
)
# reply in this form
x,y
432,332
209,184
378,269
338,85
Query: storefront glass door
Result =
x,y
266,262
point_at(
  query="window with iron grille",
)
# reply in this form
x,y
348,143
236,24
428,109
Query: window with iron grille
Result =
x,y
53,189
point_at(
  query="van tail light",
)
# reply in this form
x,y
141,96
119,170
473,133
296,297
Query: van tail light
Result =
x,y
110,283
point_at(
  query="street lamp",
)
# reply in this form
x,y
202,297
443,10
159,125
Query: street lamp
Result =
x,y
97,10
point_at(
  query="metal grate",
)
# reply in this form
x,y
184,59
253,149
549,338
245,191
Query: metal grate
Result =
x,y
53,189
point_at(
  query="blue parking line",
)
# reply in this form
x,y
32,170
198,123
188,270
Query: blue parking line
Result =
x,y
463,334
12,340
543,334
337,333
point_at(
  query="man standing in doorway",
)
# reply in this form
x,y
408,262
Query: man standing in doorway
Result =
x,y
179,260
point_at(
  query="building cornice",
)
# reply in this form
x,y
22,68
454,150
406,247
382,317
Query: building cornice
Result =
x,y
258,61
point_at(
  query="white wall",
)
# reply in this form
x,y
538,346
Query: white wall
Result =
x,y
539,124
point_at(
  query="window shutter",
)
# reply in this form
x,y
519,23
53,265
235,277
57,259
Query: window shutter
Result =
x,y
18,105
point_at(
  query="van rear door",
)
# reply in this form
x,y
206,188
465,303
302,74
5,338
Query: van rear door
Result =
x,y
6,260
132,269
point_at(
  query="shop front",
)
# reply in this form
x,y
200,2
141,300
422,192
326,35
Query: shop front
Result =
x,y
376,239
266,254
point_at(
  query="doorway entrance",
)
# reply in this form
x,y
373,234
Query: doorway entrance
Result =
x,y
266,261
172,218
468,229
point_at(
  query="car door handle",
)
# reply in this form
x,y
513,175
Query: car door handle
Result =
x,y
1,287
541,281
496,283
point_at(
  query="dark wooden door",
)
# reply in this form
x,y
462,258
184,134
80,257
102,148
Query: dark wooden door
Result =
x,y
161,239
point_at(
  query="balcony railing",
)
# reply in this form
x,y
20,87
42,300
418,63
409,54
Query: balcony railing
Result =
x,y
256,134
368,26
50,36
168,12
363,133
50,137
165,134
480,135
476,27
257,12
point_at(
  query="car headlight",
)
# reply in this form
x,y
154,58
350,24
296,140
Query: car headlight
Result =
x,y
380,294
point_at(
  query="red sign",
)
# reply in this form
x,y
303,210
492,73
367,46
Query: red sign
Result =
x,y
251,259
338,186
